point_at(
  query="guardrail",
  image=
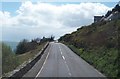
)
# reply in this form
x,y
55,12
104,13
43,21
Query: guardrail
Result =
x,y
29,65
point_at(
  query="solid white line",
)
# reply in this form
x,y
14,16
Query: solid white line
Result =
x,y
93,68
42,66
98,71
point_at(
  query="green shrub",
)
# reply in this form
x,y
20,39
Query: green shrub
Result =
x,y
0,58
9,60
103,59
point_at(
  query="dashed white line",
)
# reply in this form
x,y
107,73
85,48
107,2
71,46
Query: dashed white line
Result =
x,y
68,68
60,50
63,57
65,62
69,74
42,66
61,53
59,47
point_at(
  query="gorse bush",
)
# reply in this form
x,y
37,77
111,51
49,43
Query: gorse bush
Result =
x,y
25,45
26,50
98,44
93,36
9,60
21,47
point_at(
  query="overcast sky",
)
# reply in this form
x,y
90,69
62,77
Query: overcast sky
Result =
x,y
30,20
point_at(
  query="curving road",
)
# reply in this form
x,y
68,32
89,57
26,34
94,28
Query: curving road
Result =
x,y
59,61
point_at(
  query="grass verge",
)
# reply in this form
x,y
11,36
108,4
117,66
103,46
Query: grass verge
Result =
x,y
103,59
29,55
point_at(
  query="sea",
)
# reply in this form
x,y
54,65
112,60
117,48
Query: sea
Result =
x,y
13,45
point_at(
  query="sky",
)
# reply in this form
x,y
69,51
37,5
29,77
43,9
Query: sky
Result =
x,y
29,20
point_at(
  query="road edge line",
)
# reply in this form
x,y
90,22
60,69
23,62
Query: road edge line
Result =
x,y
29,65
42,65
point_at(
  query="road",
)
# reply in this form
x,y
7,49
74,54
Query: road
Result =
x,y
59,61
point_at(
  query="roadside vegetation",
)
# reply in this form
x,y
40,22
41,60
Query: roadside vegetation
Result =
x,y
25,45
25,50
30,54
0,59
98,44
9,59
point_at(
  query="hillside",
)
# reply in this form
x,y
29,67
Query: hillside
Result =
x,y
98,45
96,34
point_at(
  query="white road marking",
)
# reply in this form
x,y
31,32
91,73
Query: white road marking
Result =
x,y
93,68
61,53
60,50
42,66
63,57
65,62
69,74
68,68
97,71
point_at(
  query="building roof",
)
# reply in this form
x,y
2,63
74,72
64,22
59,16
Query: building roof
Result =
x,y
98,16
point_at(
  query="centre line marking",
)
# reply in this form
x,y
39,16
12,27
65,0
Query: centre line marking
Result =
x,y
42,66
65,62
69,74
68,68
63,57
60,50
61,53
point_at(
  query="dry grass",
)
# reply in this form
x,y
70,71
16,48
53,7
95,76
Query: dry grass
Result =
x,y
30,55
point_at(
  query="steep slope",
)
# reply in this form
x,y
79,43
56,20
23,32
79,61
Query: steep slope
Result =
x,y
97,44
96,34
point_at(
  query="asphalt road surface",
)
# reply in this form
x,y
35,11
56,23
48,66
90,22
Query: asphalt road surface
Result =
x,y
59,61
